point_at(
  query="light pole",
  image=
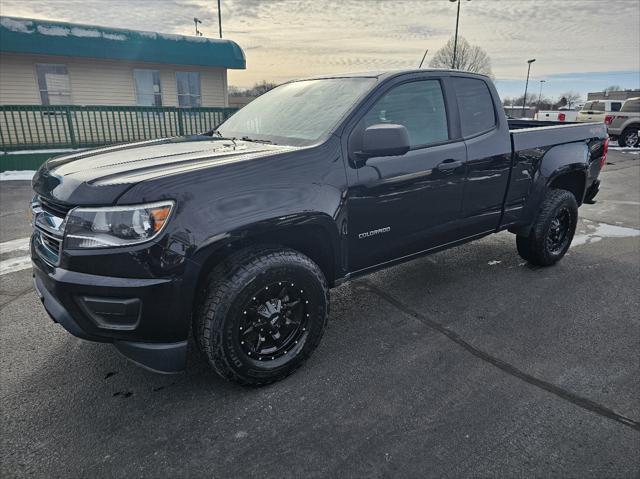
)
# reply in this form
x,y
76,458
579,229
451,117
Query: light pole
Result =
x,y
526,85
455,39
219,19
540,94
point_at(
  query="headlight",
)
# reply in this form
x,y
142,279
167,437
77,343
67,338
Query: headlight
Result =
x,y
116,225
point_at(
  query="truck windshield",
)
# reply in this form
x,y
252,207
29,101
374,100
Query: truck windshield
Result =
x,y
298,113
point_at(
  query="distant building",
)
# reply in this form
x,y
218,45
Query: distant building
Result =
x,y
613,95
55,63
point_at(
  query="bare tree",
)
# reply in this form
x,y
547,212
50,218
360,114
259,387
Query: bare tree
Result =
x,y
612,88
263,87
255,91
569,99
469,57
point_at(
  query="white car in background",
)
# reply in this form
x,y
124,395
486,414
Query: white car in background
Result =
x,y
597,110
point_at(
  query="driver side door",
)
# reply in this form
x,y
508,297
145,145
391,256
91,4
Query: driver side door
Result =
x,y
403,205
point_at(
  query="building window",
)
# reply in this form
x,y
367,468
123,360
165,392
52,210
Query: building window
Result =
x,y
53,83
148,91
188,89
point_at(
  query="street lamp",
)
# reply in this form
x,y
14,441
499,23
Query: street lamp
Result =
x,y
219,19
526,85
540,94
455,40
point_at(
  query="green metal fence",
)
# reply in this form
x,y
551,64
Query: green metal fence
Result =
x,y
32,127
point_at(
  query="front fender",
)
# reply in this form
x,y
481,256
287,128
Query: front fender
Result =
x,y
306,221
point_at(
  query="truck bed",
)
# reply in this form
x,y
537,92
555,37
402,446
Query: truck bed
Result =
x,y
526,134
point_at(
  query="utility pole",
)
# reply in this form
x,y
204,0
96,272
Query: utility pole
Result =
x,y
196,21
219,19
526,85
540,94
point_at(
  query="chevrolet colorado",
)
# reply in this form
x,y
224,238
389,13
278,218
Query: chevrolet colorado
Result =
x,y
236,235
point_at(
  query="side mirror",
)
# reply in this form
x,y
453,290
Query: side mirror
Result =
x,y
385,139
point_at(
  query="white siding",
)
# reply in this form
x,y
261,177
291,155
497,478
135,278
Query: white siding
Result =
x,y
102,82
18,84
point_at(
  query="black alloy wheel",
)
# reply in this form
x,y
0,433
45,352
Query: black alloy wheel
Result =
x,y
261,314
559,231
274,321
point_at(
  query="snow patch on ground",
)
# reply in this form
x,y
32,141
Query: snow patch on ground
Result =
x,y
15,264
598,231
494,262
25,175
29,152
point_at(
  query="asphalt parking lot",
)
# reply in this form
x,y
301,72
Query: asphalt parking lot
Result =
x,y
466,363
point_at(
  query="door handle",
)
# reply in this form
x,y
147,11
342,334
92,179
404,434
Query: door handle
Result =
x,y
449,164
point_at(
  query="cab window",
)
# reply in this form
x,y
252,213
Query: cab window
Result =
x,y
477,113
418,106
631,106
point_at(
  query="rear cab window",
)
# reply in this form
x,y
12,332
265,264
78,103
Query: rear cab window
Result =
x,y
631,106
593,106
477,112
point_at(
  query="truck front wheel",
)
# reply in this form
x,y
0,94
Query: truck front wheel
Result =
x,y
262,313
552,231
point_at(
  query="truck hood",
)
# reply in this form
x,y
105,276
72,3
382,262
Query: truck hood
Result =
x,y
100,176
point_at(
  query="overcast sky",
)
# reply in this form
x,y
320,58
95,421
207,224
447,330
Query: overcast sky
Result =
x,y
581,45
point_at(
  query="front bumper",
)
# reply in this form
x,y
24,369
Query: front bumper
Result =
x,y
143,318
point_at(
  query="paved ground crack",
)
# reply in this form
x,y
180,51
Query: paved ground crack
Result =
x,y
499,363
15,297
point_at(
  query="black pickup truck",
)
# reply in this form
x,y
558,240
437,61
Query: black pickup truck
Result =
x,y
236,235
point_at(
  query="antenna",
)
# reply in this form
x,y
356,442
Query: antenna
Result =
x,y
423,57
196,21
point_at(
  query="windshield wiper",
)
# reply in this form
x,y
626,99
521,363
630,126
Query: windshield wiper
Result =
x,y
255,140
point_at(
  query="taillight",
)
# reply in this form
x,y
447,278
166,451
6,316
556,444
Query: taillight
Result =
x,y
608,119
605,149
562,117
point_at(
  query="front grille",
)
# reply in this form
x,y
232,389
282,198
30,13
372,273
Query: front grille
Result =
x,y
48,247
49,224
50,242
55,209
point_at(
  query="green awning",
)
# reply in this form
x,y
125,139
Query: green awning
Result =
x,y
44,37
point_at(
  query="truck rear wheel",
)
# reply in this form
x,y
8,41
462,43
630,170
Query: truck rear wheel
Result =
x,y
262,314
552,231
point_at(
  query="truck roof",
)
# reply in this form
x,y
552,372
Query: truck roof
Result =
x,y
383,74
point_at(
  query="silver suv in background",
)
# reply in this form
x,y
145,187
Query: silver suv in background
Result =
x,y
597,110
624,125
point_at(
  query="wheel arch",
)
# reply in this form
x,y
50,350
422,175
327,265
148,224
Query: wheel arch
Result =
x,y
314,234
564,167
